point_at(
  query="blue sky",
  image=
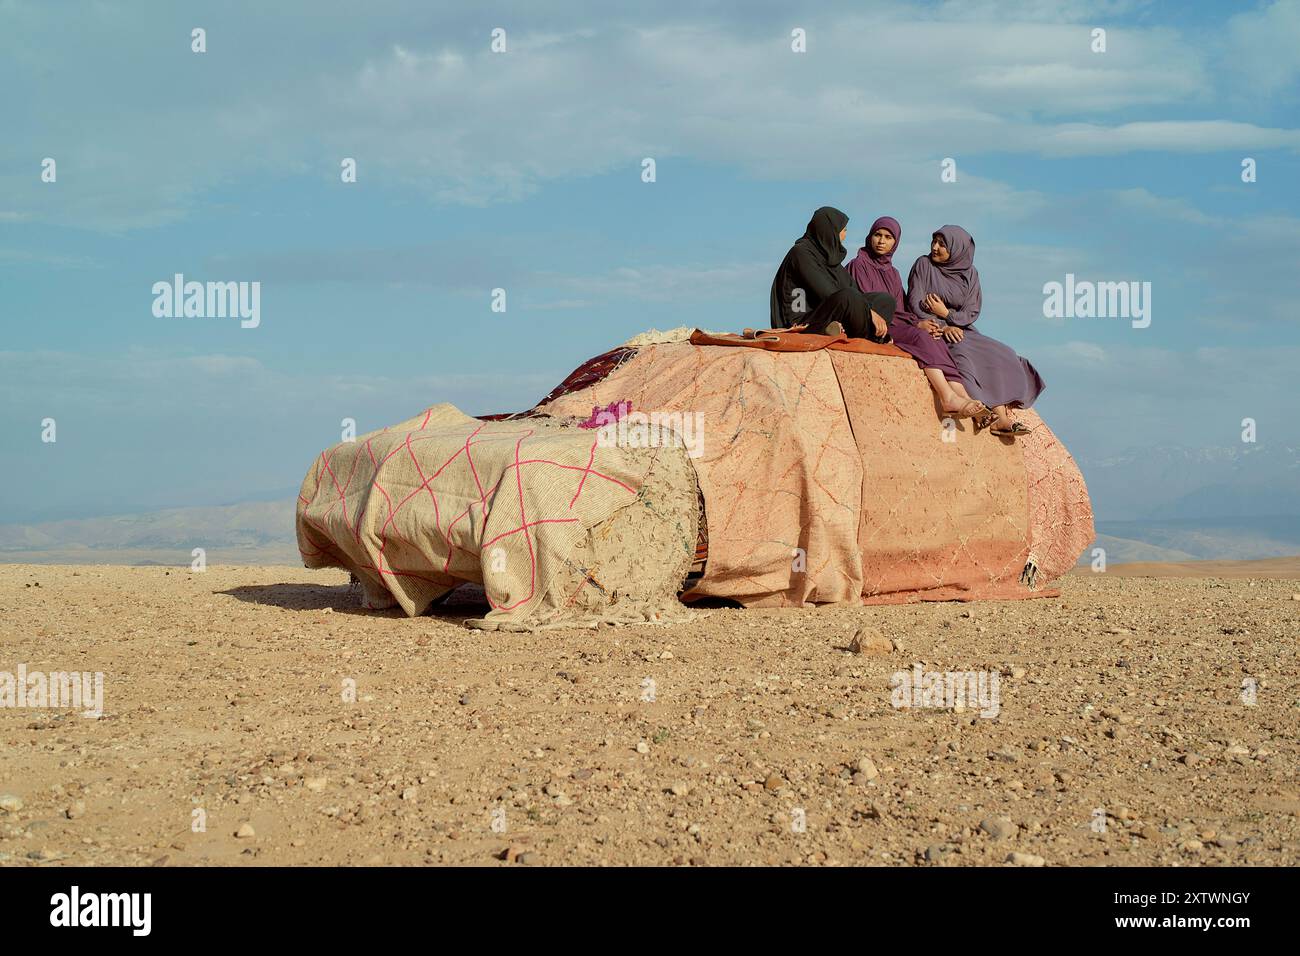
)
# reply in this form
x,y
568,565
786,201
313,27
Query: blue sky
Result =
x,y
522,170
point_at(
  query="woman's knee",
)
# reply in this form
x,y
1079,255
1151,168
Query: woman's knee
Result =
x,y
882,303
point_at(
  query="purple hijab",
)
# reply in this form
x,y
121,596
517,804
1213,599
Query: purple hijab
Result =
x,y
874,273
956,281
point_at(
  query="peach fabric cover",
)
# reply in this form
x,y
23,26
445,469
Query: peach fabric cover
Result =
x,y
826,476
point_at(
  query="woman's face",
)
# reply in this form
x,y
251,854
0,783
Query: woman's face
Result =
x,y
844,233
938,249
882,242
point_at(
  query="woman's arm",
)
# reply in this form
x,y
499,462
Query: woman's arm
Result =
x,y
969,310
926,321
915,296
814,279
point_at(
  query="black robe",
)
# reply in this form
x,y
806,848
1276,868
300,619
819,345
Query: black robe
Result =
x,y
811,287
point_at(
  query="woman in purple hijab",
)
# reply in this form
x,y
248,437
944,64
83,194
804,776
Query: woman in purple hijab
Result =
x,y
944,288
873,271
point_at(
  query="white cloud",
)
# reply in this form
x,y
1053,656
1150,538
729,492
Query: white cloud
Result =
x,y
1261,46
659,283
1085,355
1175,136
146,384
461,124
1148,204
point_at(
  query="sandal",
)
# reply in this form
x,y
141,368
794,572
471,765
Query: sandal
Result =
x,y
1015,430
833,328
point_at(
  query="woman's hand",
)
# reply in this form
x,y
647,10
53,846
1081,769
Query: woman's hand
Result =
x,y
929,325
954,334
935,305
879,325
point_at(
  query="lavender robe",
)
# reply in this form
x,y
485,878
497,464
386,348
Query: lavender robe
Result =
x,y
993,372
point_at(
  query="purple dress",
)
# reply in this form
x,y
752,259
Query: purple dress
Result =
x,y
993,372
877,274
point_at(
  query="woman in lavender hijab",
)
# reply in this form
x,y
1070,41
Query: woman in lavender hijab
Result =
x,y
873,271
944,288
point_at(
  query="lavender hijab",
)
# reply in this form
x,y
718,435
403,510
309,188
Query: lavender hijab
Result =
x,y
956,281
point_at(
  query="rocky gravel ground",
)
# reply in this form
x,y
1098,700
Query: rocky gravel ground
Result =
x,y
258,715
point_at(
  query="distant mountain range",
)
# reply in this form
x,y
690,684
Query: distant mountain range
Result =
x,y
1153,504
1170,503
1204,539
1175,483
256,532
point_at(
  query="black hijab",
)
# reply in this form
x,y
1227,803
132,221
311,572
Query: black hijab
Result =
x,y
813,265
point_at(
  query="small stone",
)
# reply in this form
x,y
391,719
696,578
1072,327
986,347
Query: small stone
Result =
x,y
870,643
867,768
510,854
934,853
529,858
773,782
1193,846
679,788
642,747
1018,672
245,831
410,793
315,784
77,809
1149,832
1025,859
464,699
10,803
999,828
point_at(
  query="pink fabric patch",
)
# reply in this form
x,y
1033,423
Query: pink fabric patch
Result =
x,y
607,415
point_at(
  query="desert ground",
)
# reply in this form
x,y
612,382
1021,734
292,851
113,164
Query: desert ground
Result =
x,y
1142,720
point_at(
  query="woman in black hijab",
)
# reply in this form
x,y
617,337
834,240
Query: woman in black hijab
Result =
x,y
811,288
